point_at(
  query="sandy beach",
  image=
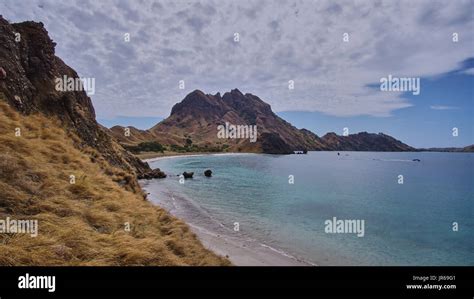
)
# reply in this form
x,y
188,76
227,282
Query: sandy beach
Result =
x,y
245,253
158,156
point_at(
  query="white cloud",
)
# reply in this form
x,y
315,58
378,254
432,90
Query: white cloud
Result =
x,y
279,41
469,71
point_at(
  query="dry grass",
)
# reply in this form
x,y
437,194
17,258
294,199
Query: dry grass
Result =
x,y
81,223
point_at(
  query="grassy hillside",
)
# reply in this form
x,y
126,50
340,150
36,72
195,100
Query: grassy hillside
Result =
x,y
82,223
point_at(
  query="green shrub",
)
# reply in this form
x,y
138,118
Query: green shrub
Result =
x,y
147,146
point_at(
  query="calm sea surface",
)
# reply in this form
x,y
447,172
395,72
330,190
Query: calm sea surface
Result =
x,y
405,224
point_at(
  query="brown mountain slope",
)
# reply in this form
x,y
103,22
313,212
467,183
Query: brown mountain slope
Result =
x,y
130,136
364,142
82,223
31,68
47,136
197,118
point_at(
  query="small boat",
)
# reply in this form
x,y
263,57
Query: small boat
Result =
x,y
300,152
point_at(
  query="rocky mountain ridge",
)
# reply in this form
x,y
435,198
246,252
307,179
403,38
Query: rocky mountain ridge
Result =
x,y
198,116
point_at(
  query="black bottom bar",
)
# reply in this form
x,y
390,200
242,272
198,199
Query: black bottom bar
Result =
x,y
223,282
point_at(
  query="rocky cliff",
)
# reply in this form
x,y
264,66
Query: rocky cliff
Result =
x,y
28,71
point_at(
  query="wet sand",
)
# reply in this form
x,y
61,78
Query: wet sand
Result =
x,y
242,253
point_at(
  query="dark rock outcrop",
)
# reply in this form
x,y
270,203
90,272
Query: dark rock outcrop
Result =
x,y
272,143
153,174
208,173
188,175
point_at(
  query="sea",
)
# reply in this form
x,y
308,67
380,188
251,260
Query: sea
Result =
x,y
414,212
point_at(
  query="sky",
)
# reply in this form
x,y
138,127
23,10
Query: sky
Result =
x,y
334,52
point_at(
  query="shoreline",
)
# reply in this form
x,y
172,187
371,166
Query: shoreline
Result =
x,y
153,156
240,250
184,155
241,254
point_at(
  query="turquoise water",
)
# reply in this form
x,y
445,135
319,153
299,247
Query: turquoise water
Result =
x,y
405,224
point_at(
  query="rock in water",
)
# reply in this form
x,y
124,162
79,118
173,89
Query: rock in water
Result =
x,y
153,174
208,173
188,175
157,173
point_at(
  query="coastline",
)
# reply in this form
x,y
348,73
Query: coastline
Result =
x,y
152,156
241,251
183,155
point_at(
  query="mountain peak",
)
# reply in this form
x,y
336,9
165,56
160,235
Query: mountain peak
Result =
x,y
195,93
236,92
198,104
330,134
198,116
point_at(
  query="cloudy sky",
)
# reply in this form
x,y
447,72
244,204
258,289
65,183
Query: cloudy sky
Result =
x,y
336,82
